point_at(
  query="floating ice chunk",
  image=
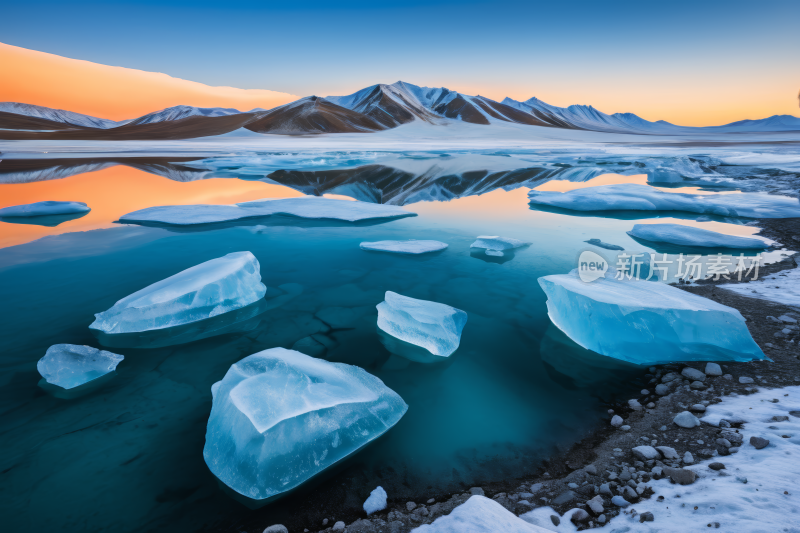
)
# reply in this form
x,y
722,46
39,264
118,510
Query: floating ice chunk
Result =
x,y
280,417
202,291
72,365
404,247
311,207
376,501
479,514
434,326
39,209
646,322
607,246
636,197
690,236
496,245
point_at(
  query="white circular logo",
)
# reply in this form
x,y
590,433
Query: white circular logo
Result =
x,y
591,266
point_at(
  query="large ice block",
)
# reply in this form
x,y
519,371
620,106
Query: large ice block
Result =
x,y
646,322
635,197
681,235
202,291
39,209
434,326
280,417
404,247
71,365
311,207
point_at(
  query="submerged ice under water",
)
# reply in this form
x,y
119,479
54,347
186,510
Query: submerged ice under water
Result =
x,y
128,456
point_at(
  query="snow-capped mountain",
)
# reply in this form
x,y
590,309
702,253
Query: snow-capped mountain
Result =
x,y
56,115
179,112
313,115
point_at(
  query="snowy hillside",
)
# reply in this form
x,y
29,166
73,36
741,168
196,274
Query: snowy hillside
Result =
x,y
56,115
179,112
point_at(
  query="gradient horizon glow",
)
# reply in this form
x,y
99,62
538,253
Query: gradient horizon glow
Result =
x,y
690,63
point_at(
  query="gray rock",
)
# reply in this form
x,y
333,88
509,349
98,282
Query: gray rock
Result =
x,y
630,494
657,472
580,516
555,520
713,369
724,442
688,458
590,469
697,385
277,528
572,485
616,421
744,379
338,526
411,505
635,405
477,491
596,505
645,453
601,519
564,497
736,439
681,476
662,390
625,475
686,420
716,466
759,443
692,374
646,517
434,499
526,495
698,408
625,428
715,525
651,405
672,376
787,319
536,487
619,501
795,414
779,418
667,452
324,521
605,489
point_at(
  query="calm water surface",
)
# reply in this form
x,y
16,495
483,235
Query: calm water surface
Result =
x,y
126,455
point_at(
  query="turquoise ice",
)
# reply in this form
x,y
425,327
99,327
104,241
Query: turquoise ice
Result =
x,y
202,291
280,417
71,365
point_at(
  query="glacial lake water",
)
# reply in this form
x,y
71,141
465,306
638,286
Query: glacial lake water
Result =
x,y
126,453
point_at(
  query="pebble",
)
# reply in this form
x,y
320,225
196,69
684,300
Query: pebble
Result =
x,y
564,497
646,517
713,369
686,420
411,505
745,379
573,485
662,428
277,528
651,405
596,505
697,385
635,405
625,475
434,499
555,520
338,526
619,501
681,476
644,392
698,408
536,487
667,452
729,377
605,489
688,458
580,516
601,519
625,428
759,443
662,390
324,521
616,421
645,453
715,525
693,374
716,466
590,469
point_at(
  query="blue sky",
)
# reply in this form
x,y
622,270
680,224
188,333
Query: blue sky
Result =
x,y
604,53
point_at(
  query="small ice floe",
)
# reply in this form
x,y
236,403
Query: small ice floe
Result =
x,y
607,246
71,365
431,325
479,514
309,207
404,247
681,235
497,246
47,208
200,292
376,501
645,322
279,418
636,197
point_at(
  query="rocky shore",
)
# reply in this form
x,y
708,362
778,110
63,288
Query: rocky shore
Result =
x,y
656,435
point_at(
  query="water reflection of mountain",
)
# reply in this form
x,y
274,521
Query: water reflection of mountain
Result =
x,y
31,170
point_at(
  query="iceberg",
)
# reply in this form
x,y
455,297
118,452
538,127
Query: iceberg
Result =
x,y
71,365
601,244
311,207
496,246
404,247
279,418
690,236
636,197
431,325
40,209
646,322
200,292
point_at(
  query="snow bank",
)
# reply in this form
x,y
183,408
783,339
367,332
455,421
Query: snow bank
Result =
x,y
691,236
782,287
480,515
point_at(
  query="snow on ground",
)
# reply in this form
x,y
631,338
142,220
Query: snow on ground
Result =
x,y
782,287
480,515
757,492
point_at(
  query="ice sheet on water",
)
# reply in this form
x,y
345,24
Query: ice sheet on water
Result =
x,y
311,207
635,197
431,325
49,207
496,246
646,322
690,236
71,365
479,514
202,291
606,245
280,417
404,247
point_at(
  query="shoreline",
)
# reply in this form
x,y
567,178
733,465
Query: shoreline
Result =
x,y
570,479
